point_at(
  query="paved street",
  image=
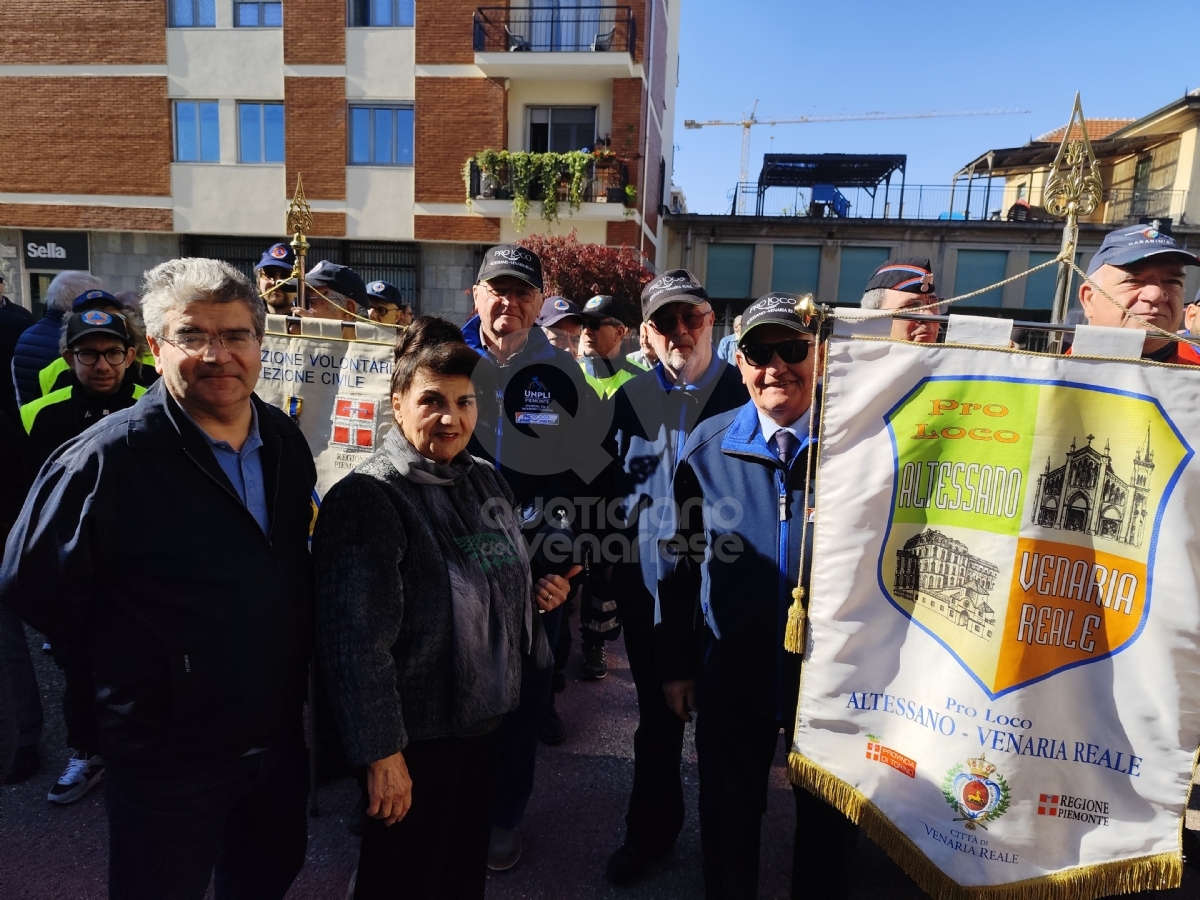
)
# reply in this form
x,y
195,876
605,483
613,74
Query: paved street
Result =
x,y
574,821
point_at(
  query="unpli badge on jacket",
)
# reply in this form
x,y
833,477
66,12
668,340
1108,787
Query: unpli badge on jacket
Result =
x,y
536,407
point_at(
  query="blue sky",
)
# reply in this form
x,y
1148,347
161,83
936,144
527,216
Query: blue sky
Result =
x,y
799,57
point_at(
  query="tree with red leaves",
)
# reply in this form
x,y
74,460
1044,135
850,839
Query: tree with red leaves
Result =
x,y
580,271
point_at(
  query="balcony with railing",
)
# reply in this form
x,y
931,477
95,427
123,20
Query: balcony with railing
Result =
x,y
943,202
520,188
549,42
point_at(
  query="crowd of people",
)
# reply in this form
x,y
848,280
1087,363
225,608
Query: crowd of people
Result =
x,y
538,461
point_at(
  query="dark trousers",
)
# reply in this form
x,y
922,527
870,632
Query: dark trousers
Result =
x,y
439,850
517,752
79,698
23,700
734,751
655,814
240,822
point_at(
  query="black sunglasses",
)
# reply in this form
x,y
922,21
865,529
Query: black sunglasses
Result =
x,y
790,352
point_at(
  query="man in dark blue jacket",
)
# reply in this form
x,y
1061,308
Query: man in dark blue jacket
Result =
x,y
654,413
199,631
727,571
38,345
542,426
14,319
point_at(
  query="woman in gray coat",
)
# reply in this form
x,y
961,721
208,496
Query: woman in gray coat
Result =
x,y
425,609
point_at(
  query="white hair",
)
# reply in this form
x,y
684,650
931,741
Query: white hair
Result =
x,y
873,299
171,286
68,285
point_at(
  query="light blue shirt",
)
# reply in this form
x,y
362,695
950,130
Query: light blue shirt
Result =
x,y
244,469
799,429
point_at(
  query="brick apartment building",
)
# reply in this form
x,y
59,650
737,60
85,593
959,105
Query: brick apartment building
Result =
x,y
142,129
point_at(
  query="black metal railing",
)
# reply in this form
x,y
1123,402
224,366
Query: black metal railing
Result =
x,y
605,183
596,29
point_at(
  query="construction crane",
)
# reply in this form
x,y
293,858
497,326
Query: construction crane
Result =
x,y
750,121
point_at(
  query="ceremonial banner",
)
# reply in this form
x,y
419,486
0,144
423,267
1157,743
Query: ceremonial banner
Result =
x,y
337,391
1001,682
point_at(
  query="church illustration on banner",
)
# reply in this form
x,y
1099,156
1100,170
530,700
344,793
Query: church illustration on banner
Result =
x,y
1085,494
940,575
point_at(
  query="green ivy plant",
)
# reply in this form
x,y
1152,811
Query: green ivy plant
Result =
x,y
521,171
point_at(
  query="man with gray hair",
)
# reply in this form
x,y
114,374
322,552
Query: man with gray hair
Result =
x,y
199,632
904,284
37,346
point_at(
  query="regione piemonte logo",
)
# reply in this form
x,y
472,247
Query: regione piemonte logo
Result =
x,y
354,423
1024,520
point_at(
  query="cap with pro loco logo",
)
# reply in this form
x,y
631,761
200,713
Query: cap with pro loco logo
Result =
x,y
509,259
775,309
675,286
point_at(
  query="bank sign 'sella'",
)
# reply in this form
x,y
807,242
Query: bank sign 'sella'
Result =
x,y
1024,521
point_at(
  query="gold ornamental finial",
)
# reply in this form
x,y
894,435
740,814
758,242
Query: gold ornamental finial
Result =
x,y
299,213
806,308
1073,189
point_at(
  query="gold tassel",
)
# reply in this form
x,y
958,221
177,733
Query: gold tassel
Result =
x,y
793,635
1126,876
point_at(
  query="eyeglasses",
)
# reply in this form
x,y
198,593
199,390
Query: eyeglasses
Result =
x,y
790,352
664,322
114,356
593,325
195,343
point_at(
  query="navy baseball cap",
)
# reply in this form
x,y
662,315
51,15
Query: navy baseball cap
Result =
x,y
1135,243
342,279
675,286
509,259
913,275
555,309
383,292
277,256
775,309
97,321
95,298
602,307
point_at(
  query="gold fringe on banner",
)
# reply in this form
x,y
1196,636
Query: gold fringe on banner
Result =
x,y
1146,873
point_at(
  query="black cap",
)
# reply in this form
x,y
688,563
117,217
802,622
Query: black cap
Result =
x,y
384,292
97,321
509,259
277,256
1135,243
913,275
555,309
342,279
675,286
774,309
95,298
602,306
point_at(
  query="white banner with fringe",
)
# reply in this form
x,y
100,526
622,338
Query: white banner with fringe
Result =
x,y
338,391
1004,625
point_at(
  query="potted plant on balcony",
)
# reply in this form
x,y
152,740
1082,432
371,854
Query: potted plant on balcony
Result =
x,y
630,196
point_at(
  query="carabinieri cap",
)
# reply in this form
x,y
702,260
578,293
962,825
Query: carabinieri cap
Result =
x,y
913,275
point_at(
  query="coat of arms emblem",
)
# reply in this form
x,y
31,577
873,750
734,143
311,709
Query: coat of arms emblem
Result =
x,y
978,795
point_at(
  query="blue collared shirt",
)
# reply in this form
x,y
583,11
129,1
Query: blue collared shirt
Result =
x,y
244,469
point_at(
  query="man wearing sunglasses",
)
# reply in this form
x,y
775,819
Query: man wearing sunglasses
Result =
x,y
653,415
727,572
604,365
905,284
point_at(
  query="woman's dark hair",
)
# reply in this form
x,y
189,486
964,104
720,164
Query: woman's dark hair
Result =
x,y
435,345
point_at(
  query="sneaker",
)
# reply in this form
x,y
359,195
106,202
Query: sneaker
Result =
x,y
504,849
25,764
552,731
595,665
81,774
